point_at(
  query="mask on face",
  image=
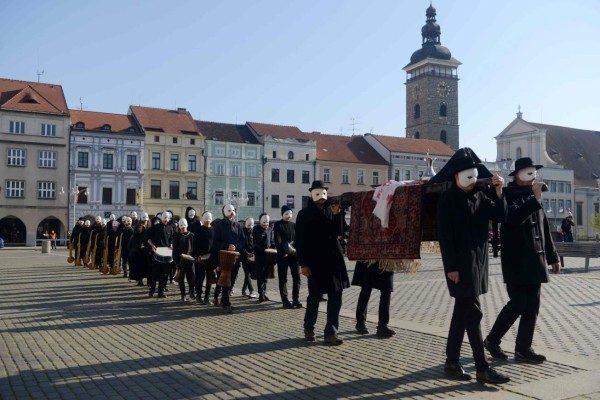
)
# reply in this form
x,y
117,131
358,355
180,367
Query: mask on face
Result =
x,y
165,217
287,215
249,223
191,214
98,219
87,223
318,194
145,217
229,211
113,217
104,221
115,225
207,217
134,215
264,221
468,177
527,174
80,222
182,223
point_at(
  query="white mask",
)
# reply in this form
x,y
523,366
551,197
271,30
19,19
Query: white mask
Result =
x,y
98,219
87,223
191,214
467,177
165,218
113,217
527,174
104,221
264,221
134,215
229,211
207,217
80,222
287,215
249,223
115,225
318,194
183,223
145,217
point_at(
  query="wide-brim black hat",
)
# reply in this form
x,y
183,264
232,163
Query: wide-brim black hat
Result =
x,y
460,164
446,174
522,163
318,185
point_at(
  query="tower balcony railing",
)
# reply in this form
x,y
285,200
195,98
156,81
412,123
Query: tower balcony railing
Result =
x,y
431,73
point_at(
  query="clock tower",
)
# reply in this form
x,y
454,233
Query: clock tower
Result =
x,y
432,88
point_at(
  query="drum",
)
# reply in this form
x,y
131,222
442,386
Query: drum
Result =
x,y
227,260
163,255
186,261
291,250
271,260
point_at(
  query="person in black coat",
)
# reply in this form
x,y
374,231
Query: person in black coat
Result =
x,y
463,215
204,265
159,235
262,236
370,277
126,234
320,256
527,246
284,232
248,260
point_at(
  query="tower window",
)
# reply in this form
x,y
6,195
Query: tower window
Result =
x,y
417,111
444,137
443,110
417,135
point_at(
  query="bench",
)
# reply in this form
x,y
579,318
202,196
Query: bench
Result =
x,y
578,249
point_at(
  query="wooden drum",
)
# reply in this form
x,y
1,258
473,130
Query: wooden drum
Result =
x,y
227,260
271,260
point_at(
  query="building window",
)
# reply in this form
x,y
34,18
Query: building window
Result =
x,y
220,151
155,189
305,201
568,188
155,160
553,187
290,155
274,154
16,127
305,176
236,169
251,199
106,127
417,111
192,142
275,201
47,159
307,158
360,177
407,175
192,190
16,157
174,140
174,162
275,175
46,190
289,201
235,152
174,190
131,196
396,174
345,175
220,169
83,159
191,163
107,161
15,188
561,206
251,154
568,205
48,130
251,171
417,135
80,125
375,177
444,137
561,187
106,195
290,176
82,197
579,213
131,162
443,110
156,139
219,198
326,175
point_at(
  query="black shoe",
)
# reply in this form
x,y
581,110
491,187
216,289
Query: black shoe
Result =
x,y
266,298
229,309
529,356
297,304
361,329
287,305
495,350
215,302
261,299
140,283
490,375
309,335
151,294
332,340
455,371
161,296
209,302
385,332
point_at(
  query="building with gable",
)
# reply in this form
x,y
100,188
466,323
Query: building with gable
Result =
x,y
34,141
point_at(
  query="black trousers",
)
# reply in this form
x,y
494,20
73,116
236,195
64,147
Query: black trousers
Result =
x,y
466,317
188,275
525,303
247,269
201,272
384,306
283,264
160,273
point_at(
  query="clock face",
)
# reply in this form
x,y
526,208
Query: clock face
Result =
x,y
443,89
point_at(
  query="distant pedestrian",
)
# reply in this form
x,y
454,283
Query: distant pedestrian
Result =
x,y
566,227
53,239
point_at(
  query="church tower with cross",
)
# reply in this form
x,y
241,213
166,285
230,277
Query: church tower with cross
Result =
x,y
432,88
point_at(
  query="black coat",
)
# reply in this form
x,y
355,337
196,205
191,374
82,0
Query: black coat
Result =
x,y
525,239
372,276
463,226
317,247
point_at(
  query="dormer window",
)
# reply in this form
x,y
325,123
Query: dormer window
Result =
x,y
290,155
80,125
106,127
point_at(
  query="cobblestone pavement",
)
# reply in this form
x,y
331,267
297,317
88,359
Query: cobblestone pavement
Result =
x,y
70,333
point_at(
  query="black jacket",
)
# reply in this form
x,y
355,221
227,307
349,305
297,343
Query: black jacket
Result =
x,y
525,239
284,233
463,226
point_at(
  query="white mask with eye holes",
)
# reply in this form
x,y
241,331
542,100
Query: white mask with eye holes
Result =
x,y
229,211
287,215
165,217
467,177
264,221
207,217
182,223
98,219
249,224
318,194
527,174
112,217
191,214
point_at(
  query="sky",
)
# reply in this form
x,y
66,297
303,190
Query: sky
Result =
x,y
332,66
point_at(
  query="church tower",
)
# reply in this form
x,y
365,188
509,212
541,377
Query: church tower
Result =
x,y
432,88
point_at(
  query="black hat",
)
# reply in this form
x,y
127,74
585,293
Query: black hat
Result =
x,y
460,164
446,174
522,163
318,185
285,208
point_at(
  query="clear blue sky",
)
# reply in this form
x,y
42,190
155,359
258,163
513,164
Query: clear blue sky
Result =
x,y
313,64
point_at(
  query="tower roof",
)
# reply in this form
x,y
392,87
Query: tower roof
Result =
x,y
431,46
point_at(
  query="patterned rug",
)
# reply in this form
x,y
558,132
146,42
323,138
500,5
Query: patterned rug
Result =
x,y
401,240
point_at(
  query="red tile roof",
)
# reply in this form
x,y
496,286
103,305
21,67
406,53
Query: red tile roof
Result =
x,y
226,132
276,131
94,121
349,149
162,120
32,97
417,146
576,149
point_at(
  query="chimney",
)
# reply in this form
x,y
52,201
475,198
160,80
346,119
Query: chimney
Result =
x,y
181,110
